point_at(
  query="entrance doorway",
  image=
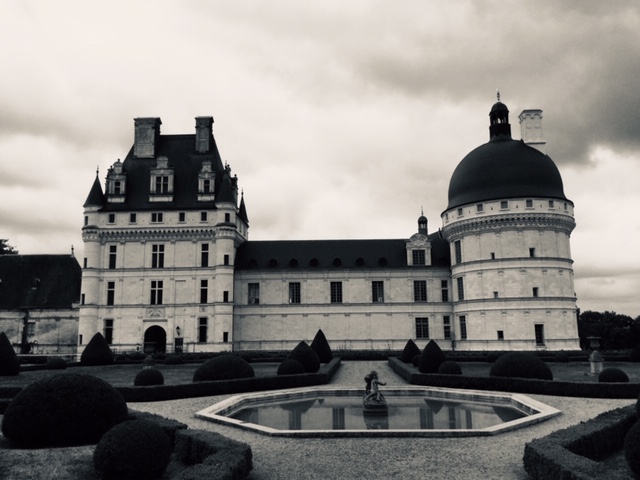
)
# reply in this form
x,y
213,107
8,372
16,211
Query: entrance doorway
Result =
x,y
155,340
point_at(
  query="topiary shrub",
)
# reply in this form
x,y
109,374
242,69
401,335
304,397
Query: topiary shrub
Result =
x,y
561,357
521,365
173,359
431,359
493,356
632,448
638,408
56,363
224,367
416,360
634,354
410,351
449,368
132,450
97,352
148,377
62,410
307,357
289,366
9,364
613,375
321,347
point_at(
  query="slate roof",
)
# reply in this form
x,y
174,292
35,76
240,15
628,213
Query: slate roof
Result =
x,y
323,254
39,281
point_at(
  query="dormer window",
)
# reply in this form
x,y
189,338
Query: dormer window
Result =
x,y
161,187
116,182
206,181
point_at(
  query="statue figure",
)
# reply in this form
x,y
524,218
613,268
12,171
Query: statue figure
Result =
x,y
372,390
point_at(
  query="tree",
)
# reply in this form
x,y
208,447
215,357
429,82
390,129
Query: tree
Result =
x,y
5,248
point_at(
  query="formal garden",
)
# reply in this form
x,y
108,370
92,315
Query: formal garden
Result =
x,y
80,421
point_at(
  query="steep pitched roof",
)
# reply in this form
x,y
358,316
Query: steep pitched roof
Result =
x,y
95,197
334,253
39,281
242,213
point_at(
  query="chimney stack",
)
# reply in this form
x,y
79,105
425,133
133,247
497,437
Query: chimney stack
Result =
x,y
147,131
203,134
531,129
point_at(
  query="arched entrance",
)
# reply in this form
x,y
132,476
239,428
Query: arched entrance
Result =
x,y
155,340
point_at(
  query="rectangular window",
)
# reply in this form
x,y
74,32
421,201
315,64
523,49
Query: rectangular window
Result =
x,y
182,216
82,298
227,218
419,257
254,293
377,292
420,291
480,208
500,335
111,293
460,212
552,204
204,255
162,184
535,291
294,292
85,262
133,217
458,251
422,327
112,256
226,259
202,330
31,328
460,282
108,330
156,292
336,292
112,218
225,337
204,290
444,288
463,327
203,216
532,252
206,185
504,204
495,294
157,256
157,217
86,220
446,323
539,330
529,203
225,296
493,255
80,339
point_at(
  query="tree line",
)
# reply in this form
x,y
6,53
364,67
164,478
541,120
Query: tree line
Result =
x,y
616,331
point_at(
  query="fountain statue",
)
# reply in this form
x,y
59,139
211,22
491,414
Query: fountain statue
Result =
x,y
373,401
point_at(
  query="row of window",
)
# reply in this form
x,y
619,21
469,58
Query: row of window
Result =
x,y
156,293
157,256
335,292
202,333
460,287
422,329
158,217
504,205
457,246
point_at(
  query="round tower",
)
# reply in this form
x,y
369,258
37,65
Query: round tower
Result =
x,y
508,224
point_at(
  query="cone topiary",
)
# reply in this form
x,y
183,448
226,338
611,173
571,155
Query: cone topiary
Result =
x,y
97,352
9,364
306,356
63,410
431,358
132,450
613,375
224,367
148,377
321,347
522,365
449,368
289,366
410,351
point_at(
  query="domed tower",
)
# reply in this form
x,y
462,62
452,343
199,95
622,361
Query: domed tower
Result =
x,y
508,224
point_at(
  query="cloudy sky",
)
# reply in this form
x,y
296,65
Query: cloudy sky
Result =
x,y
341,119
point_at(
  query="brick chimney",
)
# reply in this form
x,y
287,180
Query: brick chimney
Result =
x,y
531,129
203,134
147,131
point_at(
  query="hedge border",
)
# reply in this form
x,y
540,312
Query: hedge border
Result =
x,y
574,453
519,385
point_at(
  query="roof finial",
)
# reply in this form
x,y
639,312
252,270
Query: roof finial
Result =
x,y
498,94
72,251
421,211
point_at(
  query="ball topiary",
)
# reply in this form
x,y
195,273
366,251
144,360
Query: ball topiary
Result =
x,y
522,365
321,347
289,366
307,357
9,364
493,356
132,450
56,363
449,368
148,377
173,359
97,352
632,448
431,358
613,375
410,351
62,410
224,367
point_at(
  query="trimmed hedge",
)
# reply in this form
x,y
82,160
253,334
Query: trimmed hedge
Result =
x,y
613,375
148,377
574,452
306,356
410,351
97,352
521,365
320,345
173,359
431,359
9,364
224,367
62,410
632,448
519,385
132,450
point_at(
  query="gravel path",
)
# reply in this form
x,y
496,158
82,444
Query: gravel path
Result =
x,y
488,458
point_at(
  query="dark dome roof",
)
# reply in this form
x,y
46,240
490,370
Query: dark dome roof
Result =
x,y
499,106
504,168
